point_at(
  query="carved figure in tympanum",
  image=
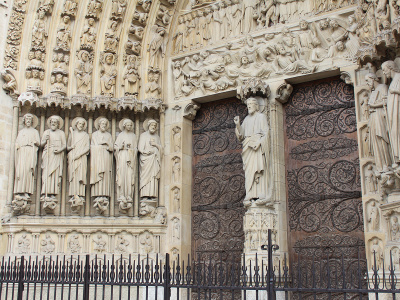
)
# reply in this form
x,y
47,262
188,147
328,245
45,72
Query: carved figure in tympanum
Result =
x,y
108,74
83,73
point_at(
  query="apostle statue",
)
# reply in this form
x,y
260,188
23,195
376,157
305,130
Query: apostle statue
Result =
x,y
54,144
78,149
150,149
254,135
26,147
391,71
125,154
378,132
101,161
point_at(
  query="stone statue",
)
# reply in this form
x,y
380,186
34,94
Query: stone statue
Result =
x,y
64,34
391,70
73,244
131,76
126,156
371,180
54,144
88,37
373,217
100,244
26,148
146,241
48,245
254,135
83,73
176,169
177,138
176,229
24,244
378,131
101,162
122,244
395,228
78,148
377,253
108,75
150,149
157,48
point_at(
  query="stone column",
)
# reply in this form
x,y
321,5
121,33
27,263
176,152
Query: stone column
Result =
x,y
112,198
90,131
39,166
63,190
12,154
136,196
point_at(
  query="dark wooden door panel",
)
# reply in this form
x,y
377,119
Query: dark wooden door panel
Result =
x,y
218,183
322,175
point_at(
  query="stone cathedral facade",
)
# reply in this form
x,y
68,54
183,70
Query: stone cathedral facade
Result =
x,y
124,128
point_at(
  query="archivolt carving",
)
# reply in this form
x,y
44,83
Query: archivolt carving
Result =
x,y
14,33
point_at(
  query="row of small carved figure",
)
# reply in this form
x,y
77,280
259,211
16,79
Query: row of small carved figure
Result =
x,y
78,146
74,244
230,18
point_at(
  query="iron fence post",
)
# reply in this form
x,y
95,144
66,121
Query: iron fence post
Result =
x,y
86,278
167,277
270,274
21,279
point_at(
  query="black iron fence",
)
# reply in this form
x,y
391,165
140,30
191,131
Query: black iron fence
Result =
x,y
257,277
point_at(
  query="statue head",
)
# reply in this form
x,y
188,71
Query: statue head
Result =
x,y
28,120
152,126
303,25
388,67
252,105
54,122
79,124
127,125
371,78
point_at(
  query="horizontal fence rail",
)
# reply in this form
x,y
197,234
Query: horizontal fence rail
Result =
x,y
158,277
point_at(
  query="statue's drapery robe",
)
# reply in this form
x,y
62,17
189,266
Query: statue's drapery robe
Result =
x,y
77,162
393,108
26,160
378,131
101,164
52,163
126,155
150,165
255,133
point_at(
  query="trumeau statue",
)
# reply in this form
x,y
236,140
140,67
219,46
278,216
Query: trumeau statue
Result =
x,y
78,149
254,135
54,144
26,148
101,160
150,149
126,156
